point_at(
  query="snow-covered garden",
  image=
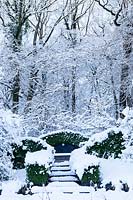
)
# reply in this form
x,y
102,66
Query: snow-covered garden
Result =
x,y
103,163
66,99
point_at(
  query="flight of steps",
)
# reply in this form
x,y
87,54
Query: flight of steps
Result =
x,y
60,170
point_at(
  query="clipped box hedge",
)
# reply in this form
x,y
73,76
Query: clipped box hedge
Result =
x,y
18,158
110,147
19,151
91,176
64,138
37,174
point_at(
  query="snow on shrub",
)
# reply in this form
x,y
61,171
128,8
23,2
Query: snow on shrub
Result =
x,y
36,174
126,125
26,144
64,137
111,145
91,176
86,167
10,129
37,166
114,172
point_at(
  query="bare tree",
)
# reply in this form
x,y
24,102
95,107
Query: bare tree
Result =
x,y
18,12
78,9
126,98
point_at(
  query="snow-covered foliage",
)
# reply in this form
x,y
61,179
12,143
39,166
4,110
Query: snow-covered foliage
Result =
x,y
116,171
87,160
10,130
126,125
37,166
67,64
64,137
26,144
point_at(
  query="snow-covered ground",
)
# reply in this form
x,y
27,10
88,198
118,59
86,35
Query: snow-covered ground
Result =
x,y
55,192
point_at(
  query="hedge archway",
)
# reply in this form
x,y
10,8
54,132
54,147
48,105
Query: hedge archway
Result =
x,y
64,139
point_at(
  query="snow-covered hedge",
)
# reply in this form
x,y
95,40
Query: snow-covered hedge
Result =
x,y
27,144
86,167
64,137
37,166
36,174
111,145
115,171
91,176
110,152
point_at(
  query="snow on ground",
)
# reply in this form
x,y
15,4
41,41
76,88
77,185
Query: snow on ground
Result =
x,y
56,193
114,170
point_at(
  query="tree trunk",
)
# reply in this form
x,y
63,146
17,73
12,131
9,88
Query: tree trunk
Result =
x,y
125,93
74,89
32,81
66,94
15,93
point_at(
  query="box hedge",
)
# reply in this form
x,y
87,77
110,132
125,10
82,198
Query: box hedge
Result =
x,y
20,150
37,174
91,176
110,147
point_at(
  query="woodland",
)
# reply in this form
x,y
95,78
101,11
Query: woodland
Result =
x,y
66,63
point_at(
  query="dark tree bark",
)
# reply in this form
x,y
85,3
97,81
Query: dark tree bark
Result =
x,y
73,89
15,92
66,94
17,12
125,92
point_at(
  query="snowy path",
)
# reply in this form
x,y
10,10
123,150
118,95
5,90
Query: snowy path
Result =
x,y
55,193
61,171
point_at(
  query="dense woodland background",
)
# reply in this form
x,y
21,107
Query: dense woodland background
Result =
x,y
66,63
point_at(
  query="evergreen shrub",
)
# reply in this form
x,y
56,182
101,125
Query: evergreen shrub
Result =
x,y
37,174
110,147
91,176
19,151
64,138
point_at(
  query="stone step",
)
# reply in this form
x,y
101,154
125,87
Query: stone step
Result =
x,y
64,179
61,164
62,154
60,168
60,157
62,173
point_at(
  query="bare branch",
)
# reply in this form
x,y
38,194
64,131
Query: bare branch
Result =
x,y
104,6
3,22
